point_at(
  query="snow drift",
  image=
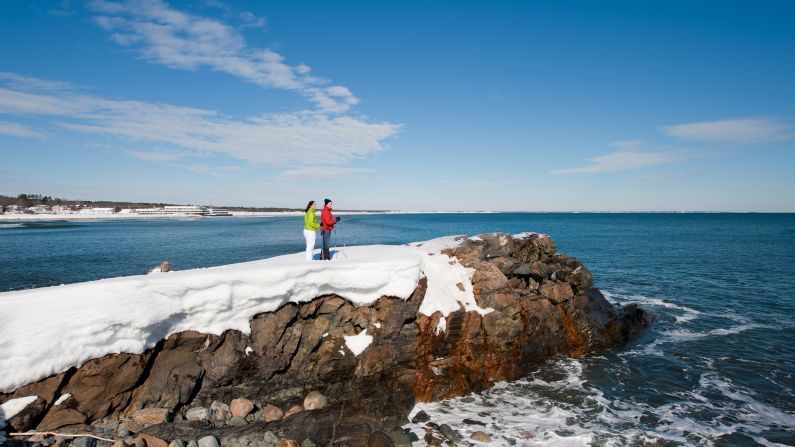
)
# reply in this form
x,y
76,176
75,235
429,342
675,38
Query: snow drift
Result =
x,y
48,330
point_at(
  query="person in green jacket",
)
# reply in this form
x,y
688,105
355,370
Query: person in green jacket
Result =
x,y
310,227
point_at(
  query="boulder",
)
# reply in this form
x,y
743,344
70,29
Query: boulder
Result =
x,y
533,247
151,416
488,279
420,417
497,245
198,414
556,292
152,441
271,413
220,411
315,401
505,264
449,433
27,417
241,407
110,379
481,437
580,278
208,441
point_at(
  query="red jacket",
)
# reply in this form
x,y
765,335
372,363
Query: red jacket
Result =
x,y
327,221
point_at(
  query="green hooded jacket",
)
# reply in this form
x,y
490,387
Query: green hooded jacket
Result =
x,y
310,220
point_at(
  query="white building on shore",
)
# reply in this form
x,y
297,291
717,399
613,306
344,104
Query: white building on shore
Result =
x,y
97,211
188,210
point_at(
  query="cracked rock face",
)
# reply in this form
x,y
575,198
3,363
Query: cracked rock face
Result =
x,y
543,303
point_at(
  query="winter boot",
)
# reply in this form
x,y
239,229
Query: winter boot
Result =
x,y
326,255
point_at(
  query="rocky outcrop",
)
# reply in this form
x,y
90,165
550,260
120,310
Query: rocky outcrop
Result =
x,y
294,376
544,305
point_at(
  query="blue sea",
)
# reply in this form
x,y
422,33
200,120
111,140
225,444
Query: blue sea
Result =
x,y
717,367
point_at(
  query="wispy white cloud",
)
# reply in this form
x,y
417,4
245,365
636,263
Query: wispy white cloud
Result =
x,y
270,139
734,131
250,20
322,172
163,35
624,160
20,130
16,80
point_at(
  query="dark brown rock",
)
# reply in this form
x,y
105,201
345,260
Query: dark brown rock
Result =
x,y
171,381
99,388
152,441
505,264
497,245
556,292
27,417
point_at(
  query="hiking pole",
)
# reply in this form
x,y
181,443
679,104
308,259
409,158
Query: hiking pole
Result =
x,y
336,240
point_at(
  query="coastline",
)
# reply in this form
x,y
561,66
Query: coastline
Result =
x,y
19,218
235,214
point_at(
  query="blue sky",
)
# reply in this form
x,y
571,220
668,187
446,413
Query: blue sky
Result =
x,y
592,106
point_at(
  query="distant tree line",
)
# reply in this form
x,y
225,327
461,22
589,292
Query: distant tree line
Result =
x,y
29,200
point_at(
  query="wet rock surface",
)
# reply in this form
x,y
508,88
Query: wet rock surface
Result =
x,y
293,379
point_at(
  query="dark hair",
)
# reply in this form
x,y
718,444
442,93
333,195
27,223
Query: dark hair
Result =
x,y
309,205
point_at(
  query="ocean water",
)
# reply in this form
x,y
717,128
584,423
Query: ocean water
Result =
x,y
717,367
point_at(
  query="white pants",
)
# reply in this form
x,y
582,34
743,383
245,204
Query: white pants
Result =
x,y
310,243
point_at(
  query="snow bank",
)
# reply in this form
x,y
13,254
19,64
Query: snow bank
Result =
x,y
48,330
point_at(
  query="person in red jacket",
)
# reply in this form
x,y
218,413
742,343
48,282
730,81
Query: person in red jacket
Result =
x,y
327,222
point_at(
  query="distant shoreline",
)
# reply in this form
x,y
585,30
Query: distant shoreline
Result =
x,y
239,214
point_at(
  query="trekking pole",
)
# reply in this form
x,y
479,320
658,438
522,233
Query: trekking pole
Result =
x,y
336,241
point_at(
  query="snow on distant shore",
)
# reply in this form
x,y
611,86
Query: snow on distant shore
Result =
x,y
48,330
132,216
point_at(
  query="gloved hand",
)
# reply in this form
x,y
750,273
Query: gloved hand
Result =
x,y
339,219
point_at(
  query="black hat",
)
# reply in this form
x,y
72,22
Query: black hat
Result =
x,y
326,202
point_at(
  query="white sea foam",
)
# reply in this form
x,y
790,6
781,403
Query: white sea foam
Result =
x,y
566,409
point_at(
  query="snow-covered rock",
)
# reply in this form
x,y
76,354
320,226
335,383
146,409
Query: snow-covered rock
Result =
x,y
130,314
